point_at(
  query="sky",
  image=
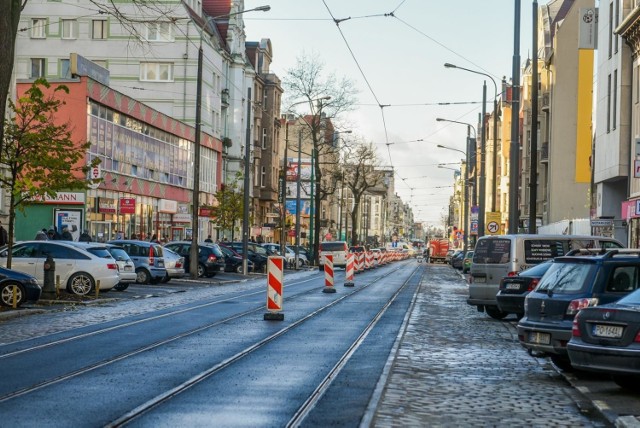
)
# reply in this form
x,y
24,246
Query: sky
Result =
x,y
398,61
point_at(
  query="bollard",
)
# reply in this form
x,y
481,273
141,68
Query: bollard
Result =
x,y
360,262
49,286
97,289
57,285
328,274
348,282
275,275
14,305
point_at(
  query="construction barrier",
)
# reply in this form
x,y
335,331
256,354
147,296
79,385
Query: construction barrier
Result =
x,y
348,281
328,275
275,276
361,266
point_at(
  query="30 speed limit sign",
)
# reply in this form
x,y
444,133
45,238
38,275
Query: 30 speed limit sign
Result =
x,y
493,227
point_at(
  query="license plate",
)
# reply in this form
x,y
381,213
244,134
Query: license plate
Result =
x,y
128,268
540,338
479,279
513,286
612,331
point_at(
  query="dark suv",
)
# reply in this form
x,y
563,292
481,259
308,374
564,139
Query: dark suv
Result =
x,y
210,257
581,279
257,254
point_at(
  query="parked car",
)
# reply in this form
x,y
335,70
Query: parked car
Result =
x,y
210,257
498,256
233,260
606,339
301,250
457,259
514,289
174,264
290,254
467,262
148,257
126,267
338,249
25,286
256,253
79,270
580,280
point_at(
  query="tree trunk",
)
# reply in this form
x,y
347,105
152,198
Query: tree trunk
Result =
x,y
354,220
316,226
9,18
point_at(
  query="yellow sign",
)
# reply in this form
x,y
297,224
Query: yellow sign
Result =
x,y
493,223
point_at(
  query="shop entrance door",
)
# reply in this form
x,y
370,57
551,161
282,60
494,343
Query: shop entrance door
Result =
x,y
101,231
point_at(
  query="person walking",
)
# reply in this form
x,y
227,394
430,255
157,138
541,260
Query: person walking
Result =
x,y
209,240
41,235
66,235
4,238
85,237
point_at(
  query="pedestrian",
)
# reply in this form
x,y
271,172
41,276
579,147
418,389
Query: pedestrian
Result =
x,y
85,237
41,236
154,238
58,236
209,240
4,238
51,234
66,235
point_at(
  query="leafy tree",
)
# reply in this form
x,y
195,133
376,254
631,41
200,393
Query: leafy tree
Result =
x,y
361,175
328,98
230,205
38,157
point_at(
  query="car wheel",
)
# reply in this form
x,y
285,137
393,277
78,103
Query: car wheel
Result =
x,y
561,362
201,270
300,263
143,276
495,313
6,294
156,280
166,278
80,284
121,286
239,269
631,383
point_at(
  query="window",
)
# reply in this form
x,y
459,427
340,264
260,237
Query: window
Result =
x,y
156,71
38,28
609,103
65,72
611,35
69,29
263,176
617,21
264,138
159,32
99,29
614,102
264,99
37,68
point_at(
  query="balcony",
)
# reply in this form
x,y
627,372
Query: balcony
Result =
x,y
544,153
545,101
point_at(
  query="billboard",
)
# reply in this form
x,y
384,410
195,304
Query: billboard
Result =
x,y
305,207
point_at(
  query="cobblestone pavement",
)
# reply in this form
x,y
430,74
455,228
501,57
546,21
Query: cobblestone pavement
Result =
x,y
458,367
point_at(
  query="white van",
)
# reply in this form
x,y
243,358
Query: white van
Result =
x,y
498,256
339,251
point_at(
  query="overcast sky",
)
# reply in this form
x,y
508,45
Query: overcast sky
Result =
x,y
402,58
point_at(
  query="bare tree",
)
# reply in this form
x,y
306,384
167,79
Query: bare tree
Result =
x,y
361,174
328,98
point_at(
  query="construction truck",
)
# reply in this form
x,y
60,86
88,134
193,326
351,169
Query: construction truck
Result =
x,y
438,249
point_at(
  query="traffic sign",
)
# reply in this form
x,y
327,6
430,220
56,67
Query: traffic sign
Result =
x,y
492,226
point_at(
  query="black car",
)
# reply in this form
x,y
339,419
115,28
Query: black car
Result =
x,y
582,279
25,286
606,339
514,289
233,260
256,253
457,259
211,260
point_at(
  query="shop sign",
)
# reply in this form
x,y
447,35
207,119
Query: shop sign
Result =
x,y
127,205
182,218
107,206
205,212
628,210
167,206
62,198
183,209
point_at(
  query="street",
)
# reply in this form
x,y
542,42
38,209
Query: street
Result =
x,y
401,348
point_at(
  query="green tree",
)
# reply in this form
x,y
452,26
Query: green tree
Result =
x,y
38,156
230,205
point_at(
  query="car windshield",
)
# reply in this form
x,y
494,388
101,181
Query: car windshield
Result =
x,y
537,270
332,246
566,278
119,254
101,252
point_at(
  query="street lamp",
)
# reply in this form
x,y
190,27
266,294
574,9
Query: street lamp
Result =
x,y
193,267
494,171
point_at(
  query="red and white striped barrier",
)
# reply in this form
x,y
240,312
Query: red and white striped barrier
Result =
x,y
328,275
275,276
348,282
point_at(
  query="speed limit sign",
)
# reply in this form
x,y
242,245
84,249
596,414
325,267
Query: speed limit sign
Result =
x,y
493,227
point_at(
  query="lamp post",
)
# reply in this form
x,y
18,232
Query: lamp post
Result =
x,y
494,172
467,227
193,267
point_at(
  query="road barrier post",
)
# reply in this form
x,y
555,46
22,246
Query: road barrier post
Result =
x,y
348,282
275,276
328,274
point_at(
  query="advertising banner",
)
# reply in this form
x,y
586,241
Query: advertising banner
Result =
x,y
305,207
70,219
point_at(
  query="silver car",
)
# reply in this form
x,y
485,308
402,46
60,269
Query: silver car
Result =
x,y
126,268
174,263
